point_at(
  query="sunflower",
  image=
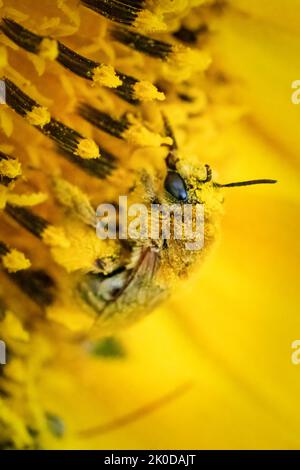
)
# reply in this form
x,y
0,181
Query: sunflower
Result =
x,y
92,93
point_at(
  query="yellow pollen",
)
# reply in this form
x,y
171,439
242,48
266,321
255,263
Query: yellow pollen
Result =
x,y
184,62
55,237
106,75
49,49
10,168
139,135
150,22
15,261
39,116
27,199
87,149
146,91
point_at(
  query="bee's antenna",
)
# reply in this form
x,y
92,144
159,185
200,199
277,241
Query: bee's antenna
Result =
x,y
245,183
208,174
169,132
171,158
171,161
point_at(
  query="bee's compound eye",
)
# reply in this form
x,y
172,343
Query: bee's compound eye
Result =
x,y
175,185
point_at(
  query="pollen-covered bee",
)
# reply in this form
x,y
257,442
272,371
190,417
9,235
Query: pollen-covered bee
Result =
x,y
149,267
108,283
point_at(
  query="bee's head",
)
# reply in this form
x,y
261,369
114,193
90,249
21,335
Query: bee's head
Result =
x,y
186,183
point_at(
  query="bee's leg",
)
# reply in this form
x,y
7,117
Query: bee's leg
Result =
x,y
107,264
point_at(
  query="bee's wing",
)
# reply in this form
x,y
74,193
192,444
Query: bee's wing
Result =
x,y
140,279
139,293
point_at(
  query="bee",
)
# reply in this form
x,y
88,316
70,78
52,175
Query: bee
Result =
x,y
141,270
151,265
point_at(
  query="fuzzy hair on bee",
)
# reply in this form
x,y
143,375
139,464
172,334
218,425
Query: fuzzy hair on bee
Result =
x,y
153,265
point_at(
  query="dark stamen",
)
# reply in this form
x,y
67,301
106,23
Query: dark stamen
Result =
x,y
63,135
37,284
17,100
141,43
27,219
84,67
21,36
99,168
76,63
126,90
3,249
103,121
120,11
66,137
